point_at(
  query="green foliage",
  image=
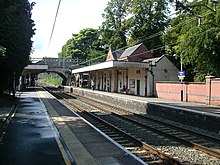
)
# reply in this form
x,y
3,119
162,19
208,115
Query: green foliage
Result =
x,y
113,29
198,46
148,22
128,22
50,79
84,45
16,31
96,56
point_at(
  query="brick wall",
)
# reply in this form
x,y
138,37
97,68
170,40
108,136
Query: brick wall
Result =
x,y
195,92
214,97
207,92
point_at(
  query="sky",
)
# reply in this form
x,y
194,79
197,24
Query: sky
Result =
x,y
73,16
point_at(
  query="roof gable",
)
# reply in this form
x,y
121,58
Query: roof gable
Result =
x,y
129,51
153,60
114,55
136,53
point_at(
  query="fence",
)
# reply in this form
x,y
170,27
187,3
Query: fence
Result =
x,y
207,92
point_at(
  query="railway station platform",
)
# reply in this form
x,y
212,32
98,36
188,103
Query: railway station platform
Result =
x,y
29,137
43,131
188,113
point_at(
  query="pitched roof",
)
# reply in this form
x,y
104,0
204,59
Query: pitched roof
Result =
x,y
117,53
130,50
114,55
153,60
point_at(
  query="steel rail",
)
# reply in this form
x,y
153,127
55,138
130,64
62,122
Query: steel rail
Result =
x,y
188,143
3,126
216,140
124,134
144,145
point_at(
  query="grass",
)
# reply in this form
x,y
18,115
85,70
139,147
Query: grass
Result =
x,y
50,79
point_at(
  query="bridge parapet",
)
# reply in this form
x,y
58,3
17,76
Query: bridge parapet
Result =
x,y
61,66
55,62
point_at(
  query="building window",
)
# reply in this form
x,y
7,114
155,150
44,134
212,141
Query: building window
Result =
x,y
132,83
138,71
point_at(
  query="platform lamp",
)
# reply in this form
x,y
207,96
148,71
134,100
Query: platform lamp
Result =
x,y
181,78
214,10
181,75
215,4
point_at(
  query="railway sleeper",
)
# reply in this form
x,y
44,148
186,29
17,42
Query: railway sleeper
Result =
x,y
128,145
117,138
156,162
132,148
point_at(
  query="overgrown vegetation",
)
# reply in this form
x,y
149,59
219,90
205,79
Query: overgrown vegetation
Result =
x,y
129,22
50,79
197,44
126,23
16,31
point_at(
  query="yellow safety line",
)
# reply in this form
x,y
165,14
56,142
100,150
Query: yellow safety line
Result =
x,y
60,145
76,148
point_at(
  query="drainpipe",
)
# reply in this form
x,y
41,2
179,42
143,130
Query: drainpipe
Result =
x,y
152,82
152,73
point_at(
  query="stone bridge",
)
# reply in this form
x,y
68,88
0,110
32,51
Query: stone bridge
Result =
x,y
61,66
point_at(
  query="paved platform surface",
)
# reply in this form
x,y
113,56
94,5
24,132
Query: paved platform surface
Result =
x,y
29,138
44,131
86,144
32,139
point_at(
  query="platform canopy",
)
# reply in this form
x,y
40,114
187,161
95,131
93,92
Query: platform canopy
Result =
x,y
111,64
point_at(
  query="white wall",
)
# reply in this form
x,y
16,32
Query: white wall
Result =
x,y
133,75
164,70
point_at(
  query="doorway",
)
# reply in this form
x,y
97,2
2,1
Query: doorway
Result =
x,y
138,87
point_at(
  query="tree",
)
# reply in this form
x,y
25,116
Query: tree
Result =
x,y
113,29
128,22
85,45
198,46
147,23
16,31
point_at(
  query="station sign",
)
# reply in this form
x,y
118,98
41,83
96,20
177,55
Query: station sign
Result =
x,y
181,75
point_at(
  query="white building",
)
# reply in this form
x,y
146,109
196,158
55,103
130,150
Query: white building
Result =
x,y
133,68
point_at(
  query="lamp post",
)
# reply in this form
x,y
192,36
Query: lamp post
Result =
x,y
181,78
189,8
181,75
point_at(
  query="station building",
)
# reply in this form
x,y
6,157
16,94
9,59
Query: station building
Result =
x,y
134,69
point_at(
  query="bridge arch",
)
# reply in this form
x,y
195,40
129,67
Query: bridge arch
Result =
x,y
60,66
65,77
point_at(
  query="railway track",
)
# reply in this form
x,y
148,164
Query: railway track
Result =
x,y
187,137
165,132
4,123
144,151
